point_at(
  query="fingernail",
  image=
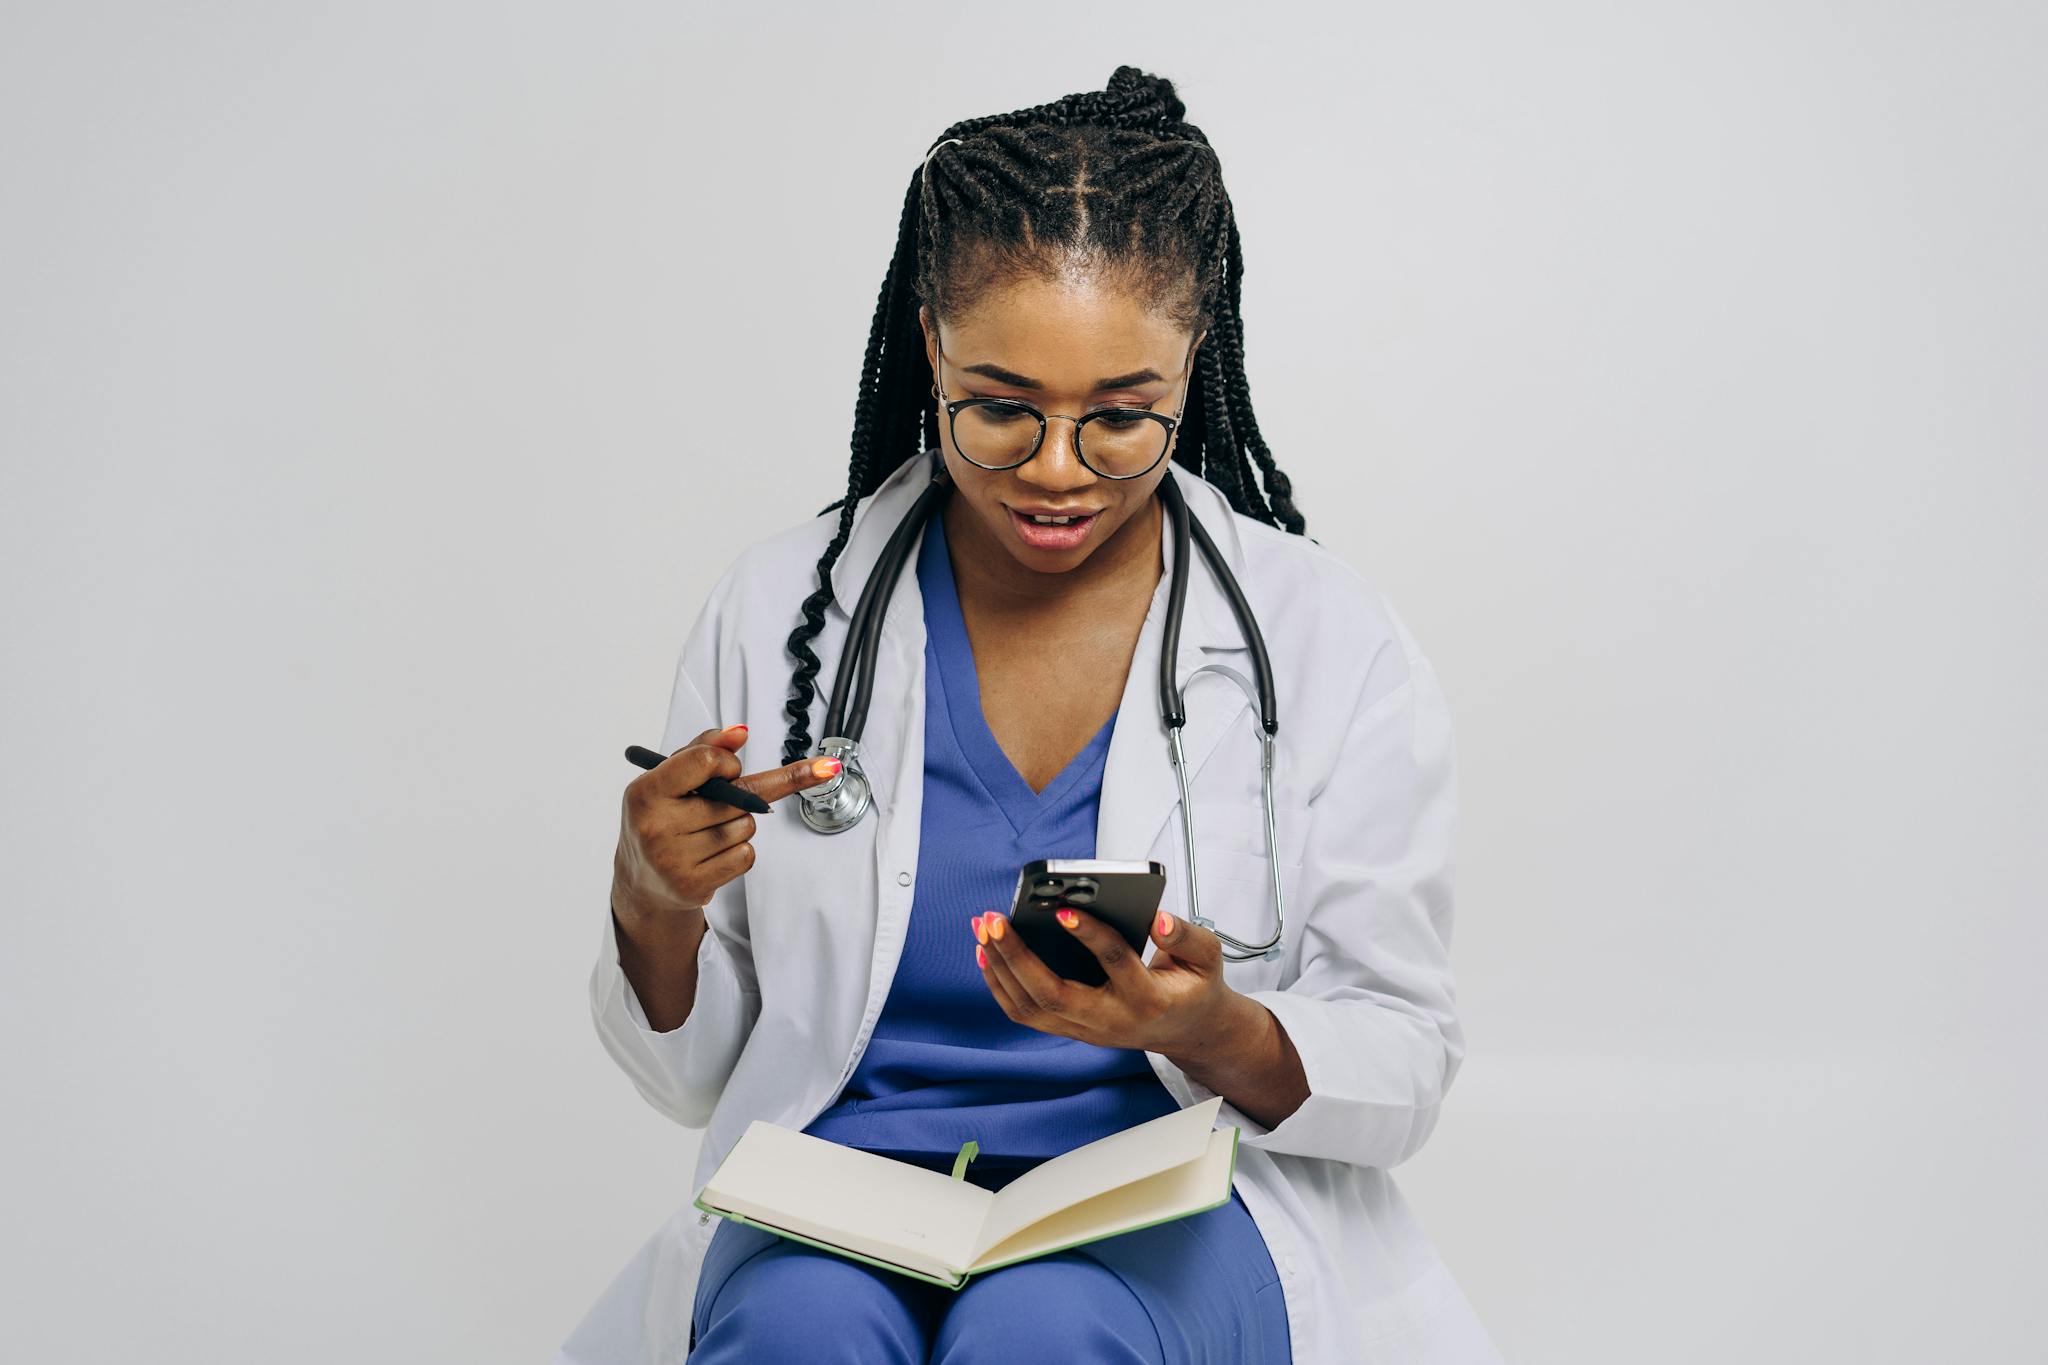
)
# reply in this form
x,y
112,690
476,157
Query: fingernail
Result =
x,y
735,729
980,934
824,767
995,928
1165,924
1067,917
980,957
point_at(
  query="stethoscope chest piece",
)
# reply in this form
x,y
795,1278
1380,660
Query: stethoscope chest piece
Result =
x,y
836,806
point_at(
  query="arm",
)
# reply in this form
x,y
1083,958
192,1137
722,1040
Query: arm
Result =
x,y
696,971
1254,1064
1372,1015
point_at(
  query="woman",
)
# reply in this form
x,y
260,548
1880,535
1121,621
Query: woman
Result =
x,y
1079,258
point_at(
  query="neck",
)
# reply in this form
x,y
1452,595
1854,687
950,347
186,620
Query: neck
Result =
x,y
988,578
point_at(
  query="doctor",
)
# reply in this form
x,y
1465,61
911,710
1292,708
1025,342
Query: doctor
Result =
x,y
1079,264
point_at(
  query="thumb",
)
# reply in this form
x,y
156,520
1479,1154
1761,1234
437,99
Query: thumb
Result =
x,y
1190,943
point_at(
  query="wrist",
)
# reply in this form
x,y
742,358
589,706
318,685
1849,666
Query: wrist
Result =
x,y
1223,1032
657,931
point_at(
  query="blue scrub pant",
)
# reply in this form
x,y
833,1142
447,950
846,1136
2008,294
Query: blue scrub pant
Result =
x,y
1195,1289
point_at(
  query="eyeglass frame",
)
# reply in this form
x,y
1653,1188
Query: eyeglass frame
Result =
x,y
953,406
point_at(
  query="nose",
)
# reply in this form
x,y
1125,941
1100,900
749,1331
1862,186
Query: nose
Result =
x,y
1057,465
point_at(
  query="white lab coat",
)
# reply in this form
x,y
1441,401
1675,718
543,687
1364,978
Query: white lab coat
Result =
x,y
803,948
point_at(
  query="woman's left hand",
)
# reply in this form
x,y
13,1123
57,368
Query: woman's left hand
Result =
x,y
1169,1007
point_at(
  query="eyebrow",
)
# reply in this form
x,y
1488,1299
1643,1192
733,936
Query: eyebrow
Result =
x,y
1011,377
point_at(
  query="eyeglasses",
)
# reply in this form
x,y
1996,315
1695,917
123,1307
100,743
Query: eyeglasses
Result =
x,y
1002,433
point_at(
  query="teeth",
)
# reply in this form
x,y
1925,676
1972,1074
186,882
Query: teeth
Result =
x,y
1050,521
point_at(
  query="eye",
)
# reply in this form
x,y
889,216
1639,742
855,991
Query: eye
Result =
x,y
1120,419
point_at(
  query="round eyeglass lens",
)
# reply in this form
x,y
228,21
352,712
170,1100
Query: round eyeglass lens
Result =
x,y
1113,442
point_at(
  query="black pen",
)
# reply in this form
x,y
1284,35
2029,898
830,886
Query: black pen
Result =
x,y
715,788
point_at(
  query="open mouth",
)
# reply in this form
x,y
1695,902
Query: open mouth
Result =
x,y
1047,533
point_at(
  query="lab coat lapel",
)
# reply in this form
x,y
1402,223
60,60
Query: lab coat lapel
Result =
x,y
1139,790
874,521
891,752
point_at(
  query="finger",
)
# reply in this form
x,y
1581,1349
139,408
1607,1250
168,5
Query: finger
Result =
x,y
682,772
724,736
1119,963
732,863
772,784
708,841
1037,983
1187,944
996,987
1017,1002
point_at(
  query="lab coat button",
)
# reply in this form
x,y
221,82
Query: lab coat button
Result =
x,y
902,879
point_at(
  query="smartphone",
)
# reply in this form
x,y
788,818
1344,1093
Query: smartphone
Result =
x,y
1125,895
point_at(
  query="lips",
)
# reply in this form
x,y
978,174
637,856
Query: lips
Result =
x,y
1041,537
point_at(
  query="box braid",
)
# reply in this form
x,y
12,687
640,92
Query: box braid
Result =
x,y
1113,180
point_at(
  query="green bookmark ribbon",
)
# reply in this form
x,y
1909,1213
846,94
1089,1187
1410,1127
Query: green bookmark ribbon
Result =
x,y
968,1151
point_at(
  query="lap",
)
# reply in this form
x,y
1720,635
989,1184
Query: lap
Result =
x,y
1199,1290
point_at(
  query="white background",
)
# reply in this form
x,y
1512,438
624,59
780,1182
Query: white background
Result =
x,y
383,385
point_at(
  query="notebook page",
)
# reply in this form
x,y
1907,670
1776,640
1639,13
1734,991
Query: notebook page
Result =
x,y
1096,1167
848,1197
1174,1193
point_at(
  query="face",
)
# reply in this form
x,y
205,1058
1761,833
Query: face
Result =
x,y
1053,344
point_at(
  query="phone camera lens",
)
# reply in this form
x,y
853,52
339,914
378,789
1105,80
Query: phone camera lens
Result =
x,y
1047,886
1081,891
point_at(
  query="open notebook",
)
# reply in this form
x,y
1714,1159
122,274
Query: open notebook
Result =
x,y
943,1229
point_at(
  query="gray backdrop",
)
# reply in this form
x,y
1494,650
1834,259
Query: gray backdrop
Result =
x,y
384,384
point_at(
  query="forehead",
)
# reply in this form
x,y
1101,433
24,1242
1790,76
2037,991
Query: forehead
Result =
x,y
1067,334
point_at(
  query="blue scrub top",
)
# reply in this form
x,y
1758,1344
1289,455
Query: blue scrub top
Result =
x,y
944,1064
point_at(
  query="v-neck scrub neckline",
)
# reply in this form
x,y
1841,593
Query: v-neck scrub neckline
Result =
x,y
944,1064
946,626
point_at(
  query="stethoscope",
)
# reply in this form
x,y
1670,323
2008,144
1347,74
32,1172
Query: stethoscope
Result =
x,y
835,806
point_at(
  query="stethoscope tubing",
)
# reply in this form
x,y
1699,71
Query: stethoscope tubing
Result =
x,y
853,688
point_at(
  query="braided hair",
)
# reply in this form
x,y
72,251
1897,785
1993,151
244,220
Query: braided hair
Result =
x,y
1114,179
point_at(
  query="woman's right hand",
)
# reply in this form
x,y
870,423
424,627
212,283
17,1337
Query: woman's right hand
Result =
x,y
675,849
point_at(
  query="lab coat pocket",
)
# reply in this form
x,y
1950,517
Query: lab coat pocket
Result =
x,y
1241,826
1236,896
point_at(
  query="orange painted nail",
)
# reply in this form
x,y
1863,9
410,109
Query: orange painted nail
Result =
x,y
1067,917
824,767
980,932
995,928
980,957
1165,925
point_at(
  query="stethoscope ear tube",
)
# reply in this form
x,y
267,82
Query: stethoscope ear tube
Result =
x,y
1172,706
836,806
1173,710
896,555
864,628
